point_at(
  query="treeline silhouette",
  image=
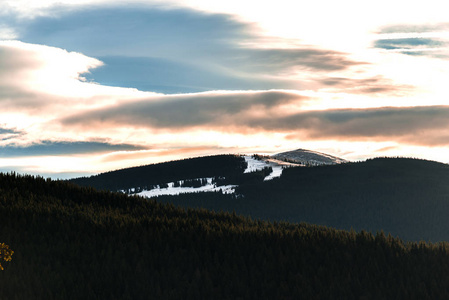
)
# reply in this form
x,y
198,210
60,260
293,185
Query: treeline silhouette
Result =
x,y
78,243
406,197
146,177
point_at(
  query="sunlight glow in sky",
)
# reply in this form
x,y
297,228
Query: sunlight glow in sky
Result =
x,y
91,86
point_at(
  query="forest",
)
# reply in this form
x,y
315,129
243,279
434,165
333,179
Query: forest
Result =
x,y
74,242
406,197
145,177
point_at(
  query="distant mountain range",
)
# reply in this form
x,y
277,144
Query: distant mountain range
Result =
x,y
405,197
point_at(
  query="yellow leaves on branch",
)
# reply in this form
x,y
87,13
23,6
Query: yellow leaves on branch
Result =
x,y
5,253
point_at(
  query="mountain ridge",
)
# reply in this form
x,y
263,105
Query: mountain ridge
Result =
x,y
404,196
308,157
222,165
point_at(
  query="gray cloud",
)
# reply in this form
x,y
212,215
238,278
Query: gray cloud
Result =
x,y
408,43
373,85
413,125
8,131
422,40
135,31
414,28
285,60
366,122
177,50
176,112
64,148
8,134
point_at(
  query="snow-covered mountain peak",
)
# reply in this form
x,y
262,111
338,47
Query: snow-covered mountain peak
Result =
x,y
308,157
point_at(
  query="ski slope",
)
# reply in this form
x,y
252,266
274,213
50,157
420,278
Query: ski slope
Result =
x,y
252,166
276,165
172,190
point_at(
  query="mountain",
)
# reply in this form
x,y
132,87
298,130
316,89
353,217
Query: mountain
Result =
x,y
405,197
308,157
71,242
145,177
227,169
209,173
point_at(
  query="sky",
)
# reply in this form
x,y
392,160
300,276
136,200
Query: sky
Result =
x,y
92,86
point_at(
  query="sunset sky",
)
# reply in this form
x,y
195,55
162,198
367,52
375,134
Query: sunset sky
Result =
x,y
92,86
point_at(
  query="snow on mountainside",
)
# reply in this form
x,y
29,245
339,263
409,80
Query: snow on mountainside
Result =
x,y
258,164
308,157
255,163
171,189
252,165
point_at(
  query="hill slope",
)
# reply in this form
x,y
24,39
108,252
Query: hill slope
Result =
x,y
155,174
152,180
76,243
407,197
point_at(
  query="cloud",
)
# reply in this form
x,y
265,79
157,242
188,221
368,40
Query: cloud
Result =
x,y
376,85
407,43
288,60
173,77
414,28
179,50
36,76
415,39
187,111
134,31
8,133
263,112
51,104
134,155
425,126
39,84
47,148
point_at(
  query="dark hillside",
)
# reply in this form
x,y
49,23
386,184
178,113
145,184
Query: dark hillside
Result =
x,y
209,166
406,197
77,243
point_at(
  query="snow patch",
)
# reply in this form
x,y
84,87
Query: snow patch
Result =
x,y
308,157
276,165
172,190
254,164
